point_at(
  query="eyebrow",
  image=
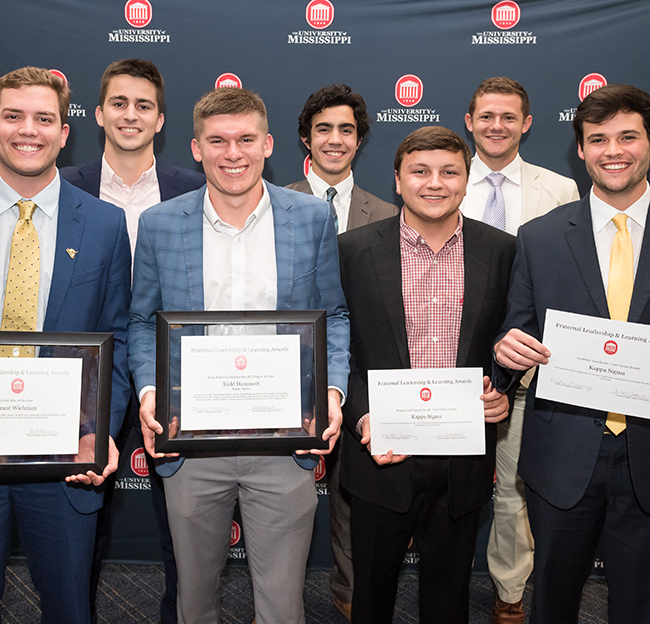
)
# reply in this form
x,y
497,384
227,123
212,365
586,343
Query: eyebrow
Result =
x,y
123,98
38,113
326,124
602,134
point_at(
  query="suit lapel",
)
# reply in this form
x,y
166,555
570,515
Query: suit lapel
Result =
x,y
476,266
580,238
531,192
386,259
359,214
192,233
641,293
284,248
69,231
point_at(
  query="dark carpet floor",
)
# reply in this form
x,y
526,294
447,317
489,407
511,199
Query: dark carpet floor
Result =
x,y
130,594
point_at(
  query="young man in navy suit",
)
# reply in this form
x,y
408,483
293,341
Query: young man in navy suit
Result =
x,y
84,291
131,104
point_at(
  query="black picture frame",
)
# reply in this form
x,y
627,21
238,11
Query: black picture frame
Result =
x,y
96,351
312,328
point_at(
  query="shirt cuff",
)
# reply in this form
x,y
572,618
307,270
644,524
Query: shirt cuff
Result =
x,y
340,392
144,391
360,422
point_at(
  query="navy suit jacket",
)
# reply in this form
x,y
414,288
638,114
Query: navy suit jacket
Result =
x,y
91,293
173,181
556,267
371,273
168,275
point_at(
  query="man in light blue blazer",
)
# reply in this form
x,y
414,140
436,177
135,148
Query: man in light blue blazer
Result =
x,y
239,243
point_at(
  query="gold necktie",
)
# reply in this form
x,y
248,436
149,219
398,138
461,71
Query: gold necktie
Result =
x,y
619,292
20,310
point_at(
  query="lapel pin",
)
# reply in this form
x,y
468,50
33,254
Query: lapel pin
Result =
x,y
71,252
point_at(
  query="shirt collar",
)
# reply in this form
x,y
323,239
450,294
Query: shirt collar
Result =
x,y
254,217
415,240
480,170
109,176
47,200
319,186
602,213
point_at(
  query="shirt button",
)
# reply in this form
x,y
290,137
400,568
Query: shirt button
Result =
x,y
435,300
434,339
598,423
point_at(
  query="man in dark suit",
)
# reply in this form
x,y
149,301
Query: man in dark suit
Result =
x,y
332,125
83,279
587,472
425,289
131,105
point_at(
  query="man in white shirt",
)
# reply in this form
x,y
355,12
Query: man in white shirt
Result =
x,y
505,191
131,111
238,244
587,471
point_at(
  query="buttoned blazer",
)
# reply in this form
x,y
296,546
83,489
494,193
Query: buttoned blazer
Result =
x,y
371,275
556,267
90,292
173,181
543,190
364,207
168,274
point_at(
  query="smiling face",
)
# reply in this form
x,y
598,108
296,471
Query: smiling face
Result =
x,y
129,114
232,149
617,156
31,136
432,185
333,143
497,125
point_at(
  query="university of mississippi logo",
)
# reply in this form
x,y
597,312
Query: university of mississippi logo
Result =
x,y
590,83
425,394
319,14
319,471
138,13
228,80
506,14
241,362
17,386
139,463
60,75
409,90
306,165
235,533
610,347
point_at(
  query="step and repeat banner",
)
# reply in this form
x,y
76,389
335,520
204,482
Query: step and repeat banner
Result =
x,y
415,62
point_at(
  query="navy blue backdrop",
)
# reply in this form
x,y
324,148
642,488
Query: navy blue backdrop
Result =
x,y
415,62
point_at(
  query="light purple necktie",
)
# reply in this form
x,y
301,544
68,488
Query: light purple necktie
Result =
x,y
495,206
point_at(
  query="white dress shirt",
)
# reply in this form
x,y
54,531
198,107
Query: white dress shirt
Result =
x,y
134,200
45,220
605,229
478,189
341,200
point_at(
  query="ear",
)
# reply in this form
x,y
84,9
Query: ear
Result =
x,y
468,122
99,116
65,131
305,140
196,152
268,146
160,122
527,123
397,187
581,153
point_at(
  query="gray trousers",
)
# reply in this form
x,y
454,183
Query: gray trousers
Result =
x,y
277,500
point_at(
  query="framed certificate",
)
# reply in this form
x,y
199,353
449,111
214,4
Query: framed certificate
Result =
x,y
55,404
241,381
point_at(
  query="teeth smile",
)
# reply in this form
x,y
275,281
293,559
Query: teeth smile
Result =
x,y
129,130
614,167
28,148
237,170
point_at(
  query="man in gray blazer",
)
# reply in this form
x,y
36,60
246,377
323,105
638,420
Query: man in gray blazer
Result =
x,y
238,243
505,191
332,125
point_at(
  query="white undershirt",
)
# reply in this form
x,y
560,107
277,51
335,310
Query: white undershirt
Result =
x,y
341,200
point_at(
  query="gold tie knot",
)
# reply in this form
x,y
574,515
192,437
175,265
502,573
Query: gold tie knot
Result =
x,y
26,208
620,221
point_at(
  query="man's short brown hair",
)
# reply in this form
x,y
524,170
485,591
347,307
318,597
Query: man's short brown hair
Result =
x,y
432,138
138,69
228,101
39,77
604,103
500,84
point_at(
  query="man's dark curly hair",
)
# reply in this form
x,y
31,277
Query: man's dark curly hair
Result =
x,y
327,97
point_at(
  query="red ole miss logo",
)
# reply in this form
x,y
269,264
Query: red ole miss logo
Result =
x,y
235,533
139,463
425,394
506,14
17,385
610,347
241,362
409,90
228,80
319,471
590,83
319,14
138,13
306,165
60,75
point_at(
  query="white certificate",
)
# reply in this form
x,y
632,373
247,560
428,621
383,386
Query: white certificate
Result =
x,y
432,411
240,382
40,406
597,363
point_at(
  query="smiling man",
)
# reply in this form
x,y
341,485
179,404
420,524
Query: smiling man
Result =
x,y
239,243
425,289
587,472
505,191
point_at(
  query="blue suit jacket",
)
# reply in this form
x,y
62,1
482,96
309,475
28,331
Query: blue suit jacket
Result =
x,y
173,181
556,266
168,274
91,293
